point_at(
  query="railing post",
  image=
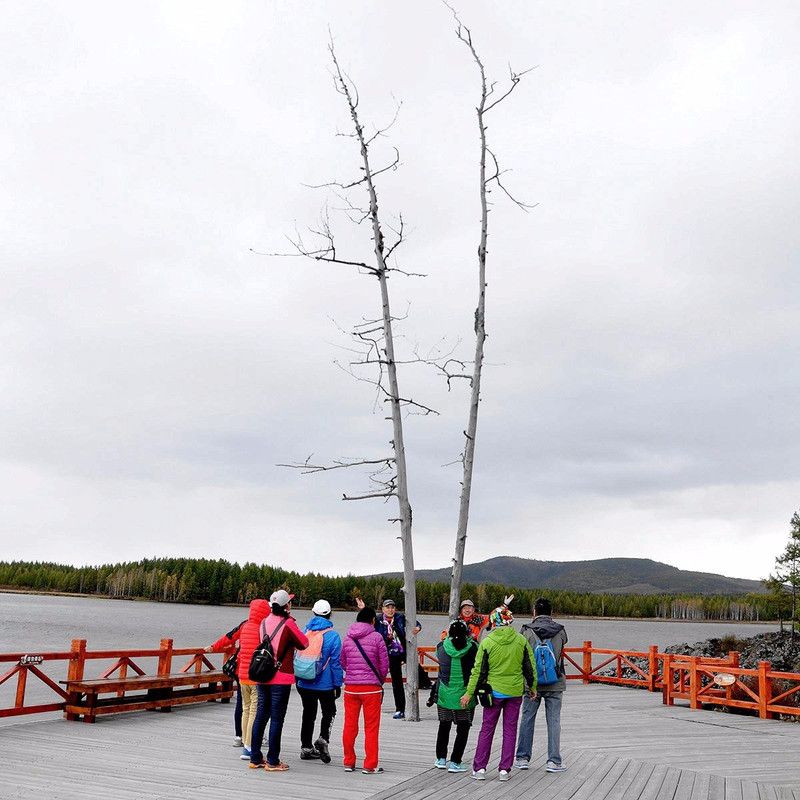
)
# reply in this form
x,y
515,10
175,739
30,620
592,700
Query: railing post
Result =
x,y
77,663
22,679
764,690
694,679
165,657
733,657
587,660
666,681
652,667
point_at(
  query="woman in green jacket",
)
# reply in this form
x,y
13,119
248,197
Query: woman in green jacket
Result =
x,y
504,671
456,656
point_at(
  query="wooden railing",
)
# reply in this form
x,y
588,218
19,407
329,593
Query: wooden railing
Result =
x,y
697,679
701,680
762,690
25,666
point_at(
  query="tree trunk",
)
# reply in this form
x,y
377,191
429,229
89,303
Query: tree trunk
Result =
x,y
409,578
475,395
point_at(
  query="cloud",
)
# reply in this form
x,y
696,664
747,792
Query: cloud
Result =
x,y
642,319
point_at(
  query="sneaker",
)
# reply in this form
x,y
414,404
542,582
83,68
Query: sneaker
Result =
x,y
245,756
308,753
479,774
257,766
553,767
399,715
457,767
279,767
348,768
440,763
504,776
237,741
375,771
522,763
321,746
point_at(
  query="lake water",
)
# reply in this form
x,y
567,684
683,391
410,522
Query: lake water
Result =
x,y
34,623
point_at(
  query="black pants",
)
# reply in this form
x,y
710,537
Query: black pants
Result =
x,y
398,690
237,712
327,704
443,737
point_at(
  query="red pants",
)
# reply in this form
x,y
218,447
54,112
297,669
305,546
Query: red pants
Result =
x,y
356,698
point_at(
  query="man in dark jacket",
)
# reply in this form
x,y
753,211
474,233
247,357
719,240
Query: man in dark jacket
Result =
x,y
539,631
392,626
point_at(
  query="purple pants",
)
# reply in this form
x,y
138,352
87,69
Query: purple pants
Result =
x,y
510,707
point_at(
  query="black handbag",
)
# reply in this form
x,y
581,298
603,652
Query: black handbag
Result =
x,y
483,691
231,666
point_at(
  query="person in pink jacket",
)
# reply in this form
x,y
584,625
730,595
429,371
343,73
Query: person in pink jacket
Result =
x,y
365,662
273,696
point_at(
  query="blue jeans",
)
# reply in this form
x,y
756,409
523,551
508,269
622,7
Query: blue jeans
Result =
x,y
552,711
273,700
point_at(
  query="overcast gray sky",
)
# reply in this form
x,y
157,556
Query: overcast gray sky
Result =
x,y
641,393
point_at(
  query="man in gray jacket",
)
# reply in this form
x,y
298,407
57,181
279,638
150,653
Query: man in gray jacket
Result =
x,y
538,632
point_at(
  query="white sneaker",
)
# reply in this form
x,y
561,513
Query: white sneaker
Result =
x,y
504,775
522,763
479,775
553,767
237,741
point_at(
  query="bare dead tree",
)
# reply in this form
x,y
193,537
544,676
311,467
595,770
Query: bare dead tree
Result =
x,y
374,346
490,97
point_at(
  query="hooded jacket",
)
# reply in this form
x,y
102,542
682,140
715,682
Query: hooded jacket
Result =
x,y
505,660
539,630
331,675
356,669
249,637
455,669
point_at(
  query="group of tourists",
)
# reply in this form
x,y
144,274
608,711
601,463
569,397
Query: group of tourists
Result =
x,y
482,661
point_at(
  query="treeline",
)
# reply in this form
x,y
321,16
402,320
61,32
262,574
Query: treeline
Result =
x,y
200,580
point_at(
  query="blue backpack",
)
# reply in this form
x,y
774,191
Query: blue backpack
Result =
x,y
545,659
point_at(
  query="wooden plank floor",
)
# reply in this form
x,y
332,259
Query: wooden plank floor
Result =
x,y
619,744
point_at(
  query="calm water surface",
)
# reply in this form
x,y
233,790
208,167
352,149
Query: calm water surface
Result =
x,y
31,623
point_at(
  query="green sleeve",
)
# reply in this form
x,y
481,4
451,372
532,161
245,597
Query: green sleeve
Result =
x,y
476,670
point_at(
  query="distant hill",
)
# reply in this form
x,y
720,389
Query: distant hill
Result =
x,y
610,575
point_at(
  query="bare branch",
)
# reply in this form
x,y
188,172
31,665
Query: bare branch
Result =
x,y
496,178
368,496
307,468
515,78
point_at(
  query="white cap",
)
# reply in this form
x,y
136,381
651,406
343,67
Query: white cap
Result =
x,y
281,598
322,608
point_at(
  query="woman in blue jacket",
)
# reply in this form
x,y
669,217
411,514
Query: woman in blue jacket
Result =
x,y
322,690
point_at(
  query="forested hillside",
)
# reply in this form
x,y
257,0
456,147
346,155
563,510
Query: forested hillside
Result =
x,y
215,582
611,575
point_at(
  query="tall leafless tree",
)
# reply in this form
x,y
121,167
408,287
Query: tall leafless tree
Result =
x,y
490,97
375,344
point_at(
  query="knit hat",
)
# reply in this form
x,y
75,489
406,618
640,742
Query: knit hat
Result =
x,y
501,616
457,633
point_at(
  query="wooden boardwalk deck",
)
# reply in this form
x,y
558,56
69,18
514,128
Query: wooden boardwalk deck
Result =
x,y
619,744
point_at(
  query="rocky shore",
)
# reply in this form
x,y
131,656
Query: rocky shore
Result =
x,y
776,648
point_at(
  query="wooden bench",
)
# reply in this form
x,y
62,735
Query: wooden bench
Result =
x,y
150,692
